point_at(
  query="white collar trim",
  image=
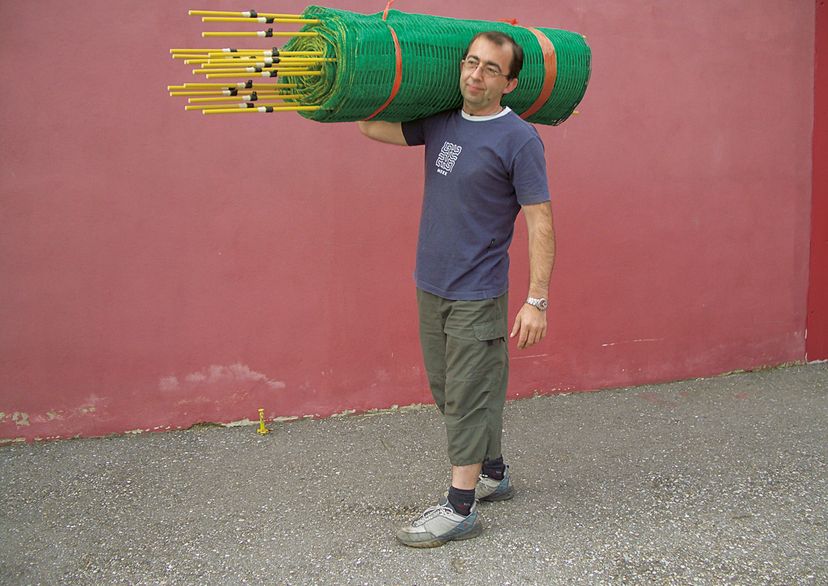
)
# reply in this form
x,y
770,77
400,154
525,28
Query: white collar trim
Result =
x,y
471,118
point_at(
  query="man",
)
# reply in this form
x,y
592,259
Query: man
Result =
x,y
483,165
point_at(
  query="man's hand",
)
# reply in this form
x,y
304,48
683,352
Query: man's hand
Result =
x,y
530,326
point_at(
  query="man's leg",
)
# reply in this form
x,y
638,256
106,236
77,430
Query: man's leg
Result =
x,y
477,363
464,351
465,477
432,313
495,483
476,359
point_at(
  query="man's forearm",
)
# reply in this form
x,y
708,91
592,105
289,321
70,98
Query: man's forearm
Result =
x,y
541,249
388,132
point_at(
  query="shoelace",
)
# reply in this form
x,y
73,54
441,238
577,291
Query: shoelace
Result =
x,y
436,509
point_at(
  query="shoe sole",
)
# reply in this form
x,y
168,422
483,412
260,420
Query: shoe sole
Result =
x,y
493,498
474,532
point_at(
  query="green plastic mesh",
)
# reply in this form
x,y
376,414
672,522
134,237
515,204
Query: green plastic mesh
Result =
x,y
361,79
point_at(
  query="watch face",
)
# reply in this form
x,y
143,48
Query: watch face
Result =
x,y
543,304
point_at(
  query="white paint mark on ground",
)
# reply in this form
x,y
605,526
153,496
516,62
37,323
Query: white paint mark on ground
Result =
x,y
530,356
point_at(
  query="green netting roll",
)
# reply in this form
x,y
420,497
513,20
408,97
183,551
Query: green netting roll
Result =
x,y
361,79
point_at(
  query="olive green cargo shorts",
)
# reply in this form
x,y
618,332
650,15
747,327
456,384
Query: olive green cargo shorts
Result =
x,y
466,357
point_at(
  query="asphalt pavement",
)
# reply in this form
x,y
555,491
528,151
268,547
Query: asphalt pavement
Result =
x,y
709,481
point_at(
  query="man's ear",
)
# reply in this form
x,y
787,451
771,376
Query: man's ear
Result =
x,y
510,86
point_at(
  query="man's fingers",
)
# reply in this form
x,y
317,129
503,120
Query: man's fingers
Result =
x,y
530,337
524,336
516,327
528,328
533,336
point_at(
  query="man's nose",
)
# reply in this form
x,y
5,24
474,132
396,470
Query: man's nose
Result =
x,y
477,72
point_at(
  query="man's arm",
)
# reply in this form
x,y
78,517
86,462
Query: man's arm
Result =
x,y
530,323
390,132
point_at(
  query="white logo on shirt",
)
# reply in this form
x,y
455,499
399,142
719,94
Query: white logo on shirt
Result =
x,y
448,157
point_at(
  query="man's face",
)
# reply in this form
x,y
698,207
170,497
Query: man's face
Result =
x,y
483,79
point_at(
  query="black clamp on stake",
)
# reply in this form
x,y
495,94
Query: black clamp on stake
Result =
x,y
234,91
254,96
274,52
249,105
269,32
274,73
253,14
248,84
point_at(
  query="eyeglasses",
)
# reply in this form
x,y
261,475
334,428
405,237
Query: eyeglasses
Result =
x,y
489,71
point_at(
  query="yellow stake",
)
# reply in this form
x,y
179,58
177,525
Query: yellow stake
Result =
x,y
262,19
250,70
174,51
240,14
262,110
228,52
262,429
245,98
259,52
222,94
239,105
224,86
239,65
290,73
260,34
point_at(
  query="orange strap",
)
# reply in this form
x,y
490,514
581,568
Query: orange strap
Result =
x,y
550,65
387,8
395,88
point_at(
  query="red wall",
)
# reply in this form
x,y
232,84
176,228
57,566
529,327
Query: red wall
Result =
x,y
162,268
817,332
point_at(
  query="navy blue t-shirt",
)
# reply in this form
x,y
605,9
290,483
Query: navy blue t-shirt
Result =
x,y
478,172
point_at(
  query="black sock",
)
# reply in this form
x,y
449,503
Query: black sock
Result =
x,y
461,500
494,468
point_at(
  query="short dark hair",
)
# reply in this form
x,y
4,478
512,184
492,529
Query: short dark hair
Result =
x,y
500,39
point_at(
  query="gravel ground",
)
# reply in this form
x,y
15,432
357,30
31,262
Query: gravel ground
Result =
x,y
713,481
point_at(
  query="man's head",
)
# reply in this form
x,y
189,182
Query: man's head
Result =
x,y
502,39
488,71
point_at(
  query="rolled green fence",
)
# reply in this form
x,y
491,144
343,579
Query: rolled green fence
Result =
x,y
359,83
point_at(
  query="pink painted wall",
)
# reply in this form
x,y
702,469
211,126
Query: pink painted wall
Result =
x,y
161,268
817,338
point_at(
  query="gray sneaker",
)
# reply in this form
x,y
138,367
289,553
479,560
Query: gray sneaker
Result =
x,y
440,524
489,489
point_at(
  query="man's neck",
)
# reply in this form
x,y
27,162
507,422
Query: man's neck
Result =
x,y
485,117
488,112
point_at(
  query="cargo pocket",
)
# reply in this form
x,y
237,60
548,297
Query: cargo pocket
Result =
x,y
490,331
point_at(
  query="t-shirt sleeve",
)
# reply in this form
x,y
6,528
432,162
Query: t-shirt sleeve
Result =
x,y
414,132
529,173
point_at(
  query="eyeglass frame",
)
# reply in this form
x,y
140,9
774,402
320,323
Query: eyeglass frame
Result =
x,y
491,73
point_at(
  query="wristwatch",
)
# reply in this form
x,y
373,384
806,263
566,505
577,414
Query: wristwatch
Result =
x,y
541,303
